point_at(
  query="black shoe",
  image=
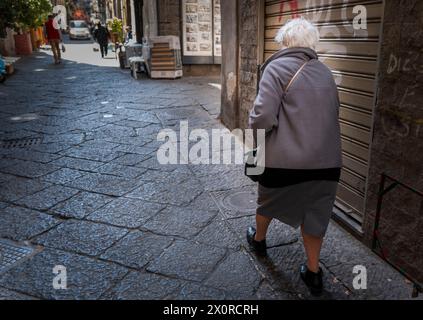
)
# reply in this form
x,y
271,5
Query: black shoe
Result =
x,y
314,281
258,247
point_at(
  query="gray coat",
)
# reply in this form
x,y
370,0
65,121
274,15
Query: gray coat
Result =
x,y
302,125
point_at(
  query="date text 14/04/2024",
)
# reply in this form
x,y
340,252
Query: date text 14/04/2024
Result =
x,y
212,310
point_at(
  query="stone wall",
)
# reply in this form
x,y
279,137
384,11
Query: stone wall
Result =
x,y
169,17
150,18
397,147
230,58
248,47
240,24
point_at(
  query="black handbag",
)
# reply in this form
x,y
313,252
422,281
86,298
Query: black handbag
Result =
x,y
251,163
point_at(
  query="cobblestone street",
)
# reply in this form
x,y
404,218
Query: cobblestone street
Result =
x,y
86,192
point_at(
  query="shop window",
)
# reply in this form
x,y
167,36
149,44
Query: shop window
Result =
x,y
201,32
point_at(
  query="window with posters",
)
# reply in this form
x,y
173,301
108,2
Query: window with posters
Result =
x,y
201,32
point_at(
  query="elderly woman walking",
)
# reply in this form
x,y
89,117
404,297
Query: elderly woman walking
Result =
x,y
298,106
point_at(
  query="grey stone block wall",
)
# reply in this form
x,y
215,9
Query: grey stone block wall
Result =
x,y
240,23
248,52
397,147
230,59
169,17
243,83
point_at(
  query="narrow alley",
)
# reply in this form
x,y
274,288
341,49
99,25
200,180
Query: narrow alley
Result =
x,y
85,190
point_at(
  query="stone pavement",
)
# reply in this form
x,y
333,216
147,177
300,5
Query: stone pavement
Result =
x,y
87,193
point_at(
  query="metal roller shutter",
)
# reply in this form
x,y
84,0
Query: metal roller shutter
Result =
x,y
352,55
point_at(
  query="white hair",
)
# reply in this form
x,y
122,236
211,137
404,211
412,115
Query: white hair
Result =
x,y
298,33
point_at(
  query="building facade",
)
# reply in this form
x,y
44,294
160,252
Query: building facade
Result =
x,y
376,63
197,23
7,43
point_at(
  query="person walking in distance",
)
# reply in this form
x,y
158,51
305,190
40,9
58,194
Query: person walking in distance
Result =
x,y
102,36
54,37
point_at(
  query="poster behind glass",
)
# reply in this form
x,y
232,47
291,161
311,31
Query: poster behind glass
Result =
x,y
198,28
217,29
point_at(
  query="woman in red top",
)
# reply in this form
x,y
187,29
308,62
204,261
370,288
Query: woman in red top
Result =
x,y
54,37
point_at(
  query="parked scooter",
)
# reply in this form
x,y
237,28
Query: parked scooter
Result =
x,y
2,70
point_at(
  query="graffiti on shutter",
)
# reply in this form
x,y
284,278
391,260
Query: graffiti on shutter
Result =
x,y
351,53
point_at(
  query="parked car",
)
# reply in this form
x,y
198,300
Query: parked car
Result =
x,y
78,29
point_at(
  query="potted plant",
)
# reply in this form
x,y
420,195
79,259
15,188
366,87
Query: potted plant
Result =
x,y
31,14
42,8
117,30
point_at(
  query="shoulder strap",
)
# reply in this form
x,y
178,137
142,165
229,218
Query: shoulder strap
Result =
x,y
295,76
